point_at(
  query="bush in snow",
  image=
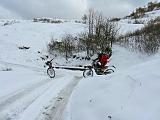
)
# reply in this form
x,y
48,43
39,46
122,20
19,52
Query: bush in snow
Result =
x,y
23,48
66,47
140,12
152,6
156,20
138,21
6,69
146,40
84,18
47,20
101,33
115,19
56,21
10,22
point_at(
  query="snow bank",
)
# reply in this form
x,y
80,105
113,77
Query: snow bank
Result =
x,y
125,28
131,93
31,34
129,25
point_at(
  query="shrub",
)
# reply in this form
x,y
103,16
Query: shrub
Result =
x,y
6,69
115,19
23,48
65,47
146,40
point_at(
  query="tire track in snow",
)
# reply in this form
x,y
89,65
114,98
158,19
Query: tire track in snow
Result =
x,y
56,109
9,102
38,69
19,94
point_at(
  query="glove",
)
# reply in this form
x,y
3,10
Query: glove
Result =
x,y
99,63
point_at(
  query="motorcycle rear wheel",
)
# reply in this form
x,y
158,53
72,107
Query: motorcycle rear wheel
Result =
x,y
88,73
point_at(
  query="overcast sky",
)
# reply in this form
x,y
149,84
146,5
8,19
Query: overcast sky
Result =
x,y
68,9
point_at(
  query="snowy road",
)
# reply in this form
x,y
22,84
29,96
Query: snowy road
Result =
x,y
11,101
55,110
35,97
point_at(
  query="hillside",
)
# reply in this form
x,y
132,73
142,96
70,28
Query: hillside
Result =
x,y
23,80
17,34
27,93
146,13
142,20
128,94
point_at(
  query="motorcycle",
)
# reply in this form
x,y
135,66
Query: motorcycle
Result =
x,y
88,71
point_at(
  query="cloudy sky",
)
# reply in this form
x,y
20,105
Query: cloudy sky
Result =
x,y
68,9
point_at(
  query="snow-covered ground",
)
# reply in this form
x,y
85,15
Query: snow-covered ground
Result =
x,y
128,25
27,93
25,88
30,34
146,18
125,28
132,92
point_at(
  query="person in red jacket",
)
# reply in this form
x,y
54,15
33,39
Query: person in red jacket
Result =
x,y
102,60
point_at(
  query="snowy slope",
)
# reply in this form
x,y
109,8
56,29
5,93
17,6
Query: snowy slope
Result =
x,y
131,93
26,92
29,34
128,25
25,87
125,28
146,18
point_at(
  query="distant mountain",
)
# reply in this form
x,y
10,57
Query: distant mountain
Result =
x,y
142,11
142,15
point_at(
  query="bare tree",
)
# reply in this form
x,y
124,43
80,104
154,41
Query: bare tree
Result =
x,y
68,45
105,32
146,40
85,41
91,18
84,18
101,33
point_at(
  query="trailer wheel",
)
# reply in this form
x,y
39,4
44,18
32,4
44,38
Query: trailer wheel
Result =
x,y
51,72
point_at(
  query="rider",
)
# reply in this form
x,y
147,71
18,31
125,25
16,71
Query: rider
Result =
x,y
102,59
